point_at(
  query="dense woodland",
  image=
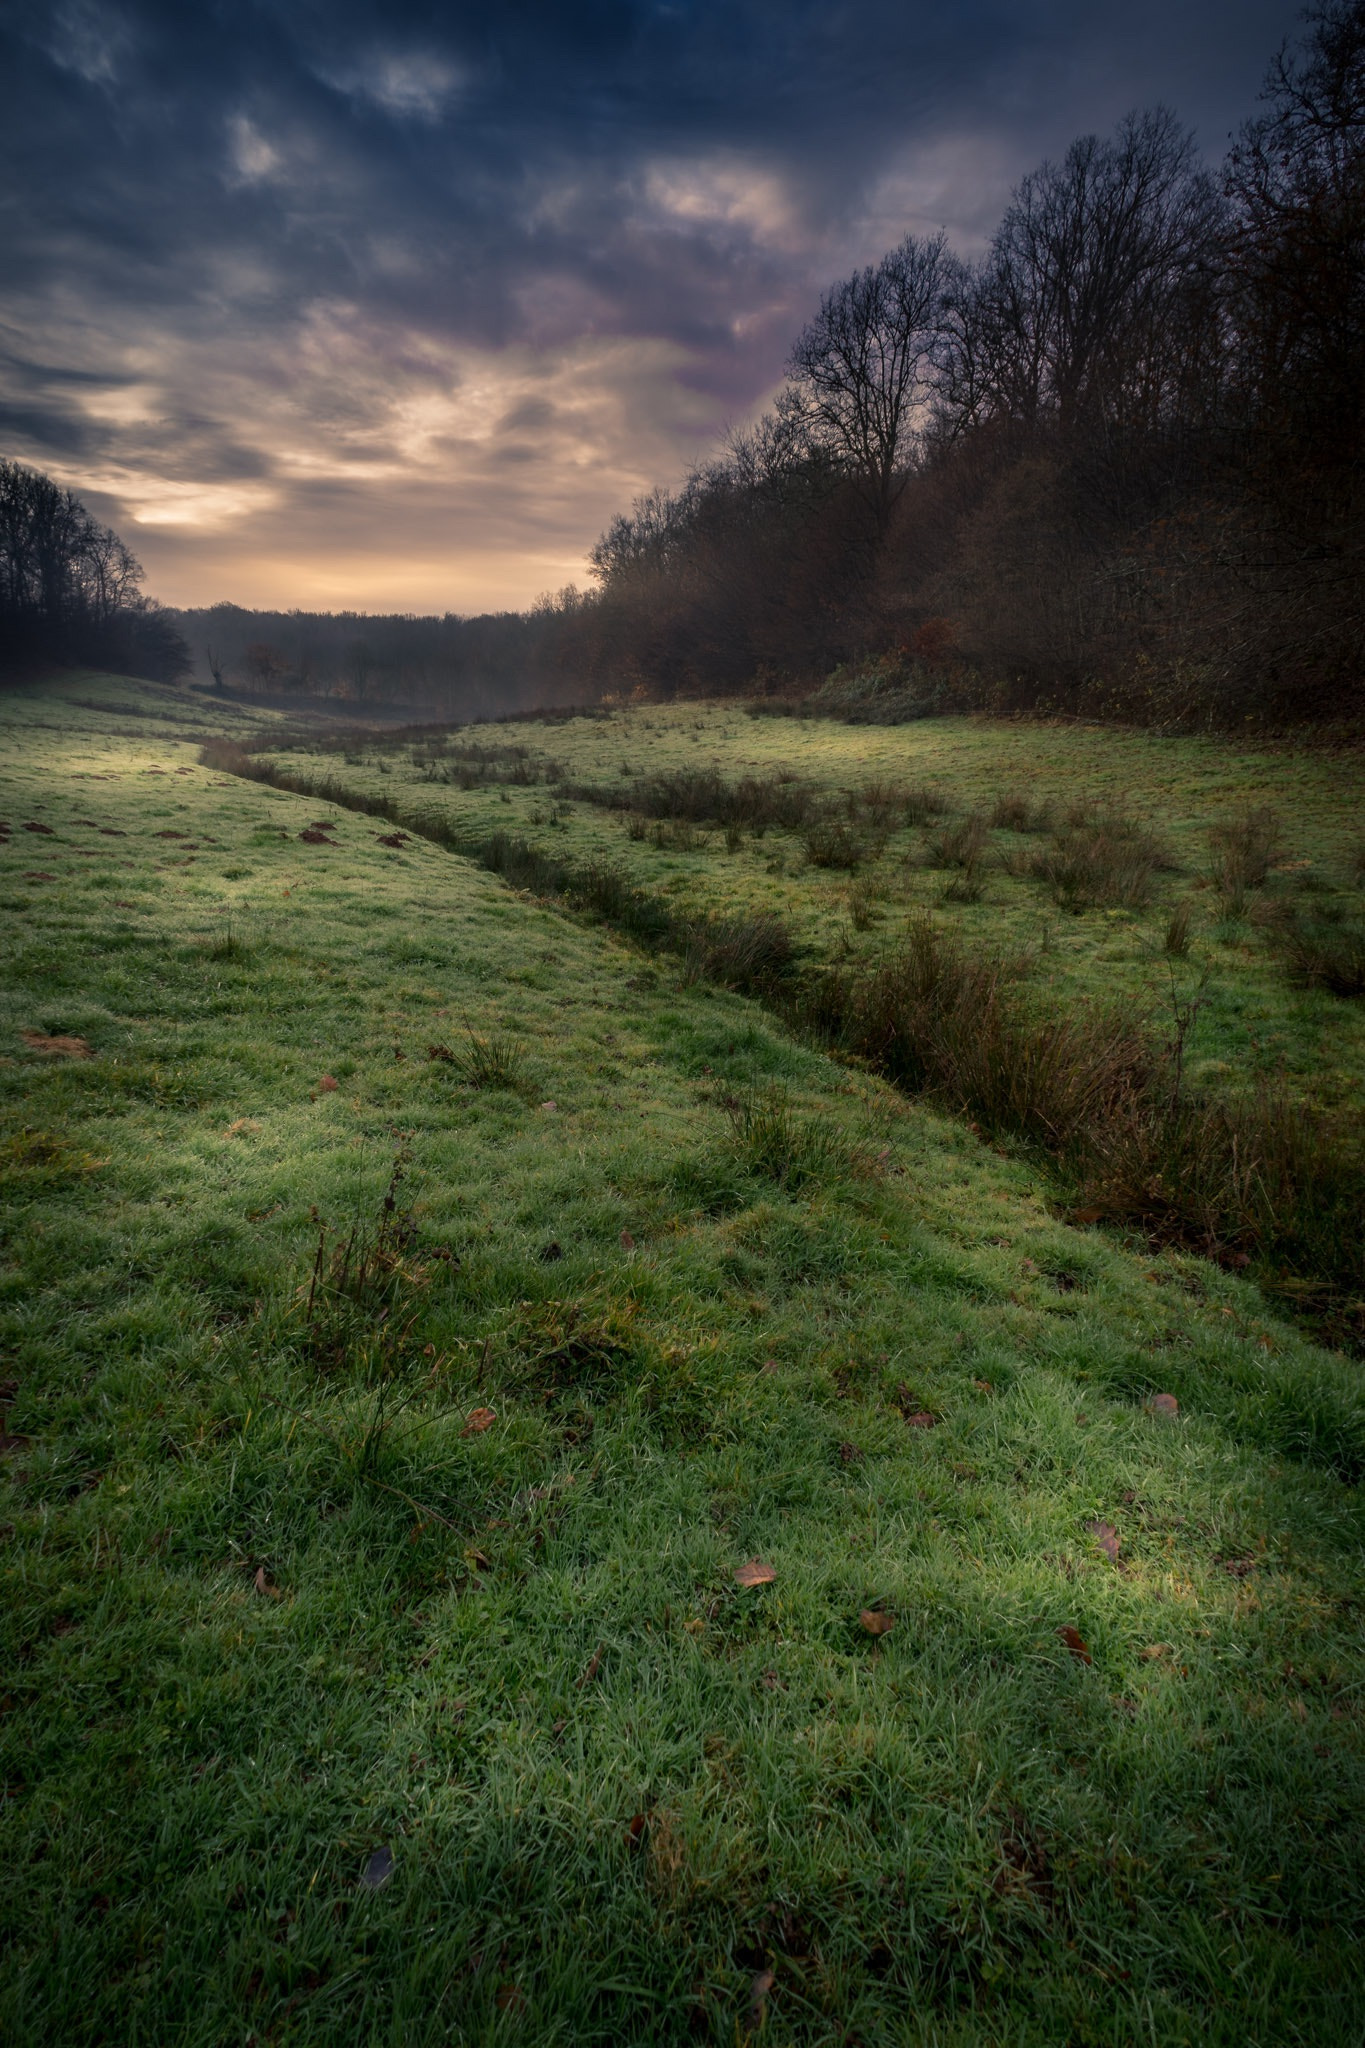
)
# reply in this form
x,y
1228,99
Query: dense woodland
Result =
x,y
1115,467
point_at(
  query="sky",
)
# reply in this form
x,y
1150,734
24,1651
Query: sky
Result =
x,y
391,307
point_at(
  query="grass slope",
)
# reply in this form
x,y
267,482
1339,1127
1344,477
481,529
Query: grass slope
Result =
x,y
285,1611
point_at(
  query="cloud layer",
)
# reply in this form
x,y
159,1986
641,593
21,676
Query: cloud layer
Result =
x,y
391,307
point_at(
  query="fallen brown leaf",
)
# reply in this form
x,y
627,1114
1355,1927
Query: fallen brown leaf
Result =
x,y
923,1420
479,1419
754,1574
877,1621
263,1585
627,1241
1075,1642
511,1998
328,1085
63,1047
1163,1404
635,1828
1107,1536
761,1984
594,1665
1155,1650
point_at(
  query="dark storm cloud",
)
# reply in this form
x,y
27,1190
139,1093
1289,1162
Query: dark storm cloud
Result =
x,y
415,295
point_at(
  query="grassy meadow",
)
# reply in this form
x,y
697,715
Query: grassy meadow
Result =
x,y
543,1506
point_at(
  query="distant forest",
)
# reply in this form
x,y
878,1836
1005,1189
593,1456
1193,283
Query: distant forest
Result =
x,y
1114,467
468,667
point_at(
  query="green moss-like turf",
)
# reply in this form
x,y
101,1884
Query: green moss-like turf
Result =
x,y
270,1609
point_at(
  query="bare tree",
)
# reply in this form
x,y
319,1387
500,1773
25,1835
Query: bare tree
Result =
x,y
865,371
1296,179
1080,307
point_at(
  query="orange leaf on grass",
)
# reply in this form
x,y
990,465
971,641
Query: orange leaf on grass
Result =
x,y
263,1585
479,1419
877,1621
1163,1404
1075,1642
328,1085
923,1420
1107,1536
754,1573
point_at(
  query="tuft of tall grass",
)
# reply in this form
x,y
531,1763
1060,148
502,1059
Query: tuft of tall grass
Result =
x,y
1244,848
492,1060
1106,862
703,796
831,843
962,845
793,1150
1176,940
1324,952
751,951
1014,812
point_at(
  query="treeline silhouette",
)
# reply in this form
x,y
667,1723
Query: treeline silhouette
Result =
x,y
69,588
1113,467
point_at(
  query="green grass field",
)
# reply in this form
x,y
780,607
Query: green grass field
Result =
x,y
387,1432
1252,1019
